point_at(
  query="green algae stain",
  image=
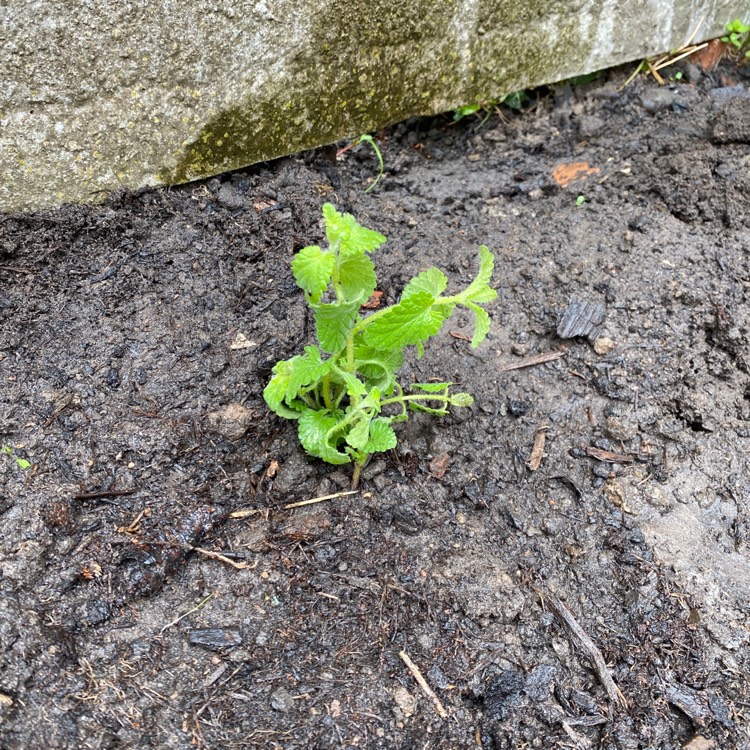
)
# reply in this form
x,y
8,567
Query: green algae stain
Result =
x,y
379,63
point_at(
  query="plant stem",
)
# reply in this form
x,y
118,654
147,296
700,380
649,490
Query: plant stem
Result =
x,y
327,392
416,397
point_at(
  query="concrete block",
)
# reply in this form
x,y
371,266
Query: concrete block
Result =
x,y
97,95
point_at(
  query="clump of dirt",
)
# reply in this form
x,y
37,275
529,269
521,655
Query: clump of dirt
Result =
x,y
565,563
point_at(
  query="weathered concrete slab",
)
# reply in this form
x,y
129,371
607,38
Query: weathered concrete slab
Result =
x,y
98,94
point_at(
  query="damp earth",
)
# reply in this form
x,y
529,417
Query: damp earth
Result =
x,y
566,563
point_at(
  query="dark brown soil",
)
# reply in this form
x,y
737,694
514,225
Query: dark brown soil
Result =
x,y
137,338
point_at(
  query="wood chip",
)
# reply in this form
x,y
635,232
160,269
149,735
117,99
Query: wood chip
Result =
x,y
581,318
537,451
608,456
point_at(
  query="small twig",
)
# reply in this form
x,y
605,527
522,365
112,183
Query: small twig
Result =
x,y
600,666
189,612
244,513
16,269
426,689
313,500
608,456
223,558
537,359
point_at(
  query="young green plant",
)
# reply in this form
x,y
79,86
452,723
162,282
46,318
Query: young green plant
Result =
x,y
739,37
344,392
22,463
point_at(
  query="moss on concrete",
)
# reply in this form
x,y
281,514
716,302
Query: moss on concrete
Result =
x,y
196,92
370,65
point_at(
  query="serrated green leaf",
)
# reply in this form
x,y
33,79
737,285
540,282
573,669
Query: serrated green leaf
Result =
x,y
307,368
433,281
481,324
480,290
359,434
357,276
461,399
431,387
378,368
23,464
382,437
343,231
412,321
275,392
313,268
313,430
333,322
354,386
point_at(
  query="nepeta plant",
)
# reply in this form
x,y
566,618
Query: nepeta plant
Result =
x,y
344,392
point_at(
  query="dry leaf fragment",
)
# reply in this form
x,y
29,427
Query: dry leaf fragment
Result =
x,y
565,174
537,451
374,302
241,342
439,465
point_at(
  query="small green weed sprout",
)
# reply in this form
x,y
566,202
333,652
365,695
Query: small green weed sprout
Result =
x,y
514,100
22,463
738,37
344,392
365,138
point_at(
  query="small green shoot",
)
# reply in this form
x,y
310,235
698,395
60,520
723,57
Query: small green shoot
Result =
x,y
580,200
344,392
365,138
22,463
514,100
738,37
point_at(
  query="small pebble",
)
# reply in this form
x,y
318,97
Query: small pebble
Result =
x,y
282,700
604,345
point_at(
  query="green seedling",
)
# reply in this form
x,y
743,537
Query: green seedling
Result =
x,y
344,392
738,37
22,463
365,138
580,200
514,100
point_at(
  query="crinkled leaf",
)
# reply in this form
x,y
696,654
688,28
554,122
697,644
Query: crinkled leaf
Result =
x,y
354,386
313,431
275,392
461,399
481,324
433,281
382,436
360,433
344,231
480,290
357,276
306,370
333,323
377,366
412,321
313,268
432,387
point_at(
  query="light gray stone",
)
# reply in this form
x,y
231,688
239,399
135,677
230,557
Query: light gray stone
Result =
x,y
97,95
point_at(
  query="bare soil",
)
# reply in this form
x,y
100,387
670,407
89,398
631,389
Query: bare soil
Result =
x,y
156,593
